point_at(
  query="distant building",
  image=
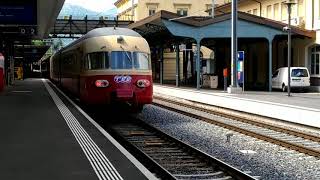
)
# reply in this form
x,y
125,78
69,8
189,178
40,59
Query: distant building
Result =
x,y
145,8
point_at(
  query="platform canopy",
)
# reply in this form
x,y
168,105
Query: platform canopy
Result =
x,y
198,28
165,26
48,13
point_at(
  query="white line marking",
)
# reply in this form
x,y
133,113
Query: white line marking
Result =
x,y
134,161
101,165
21,91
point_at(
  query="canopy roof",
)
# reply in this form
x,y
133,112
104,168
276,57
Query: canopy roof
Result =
x,y
206,27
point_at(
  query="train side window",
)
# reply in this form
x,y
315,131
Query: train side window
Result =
x,y
141,60
97,60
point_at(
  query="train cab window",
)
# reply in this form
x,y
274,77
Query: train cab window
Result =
x,y
141,60
97,60
121,60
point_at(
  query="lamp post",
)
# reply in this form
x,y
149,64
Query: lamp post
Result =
x,y
289,4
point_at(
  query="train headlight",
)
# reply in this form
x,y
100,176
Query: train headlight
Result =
x,y
101,83
142,83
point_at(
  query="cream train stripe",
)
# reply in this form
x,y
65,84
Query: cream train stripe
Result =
x,y
134,161
101,165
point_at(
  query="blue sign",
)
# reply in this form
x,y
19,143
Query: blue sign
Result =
x,y
18,12
240,67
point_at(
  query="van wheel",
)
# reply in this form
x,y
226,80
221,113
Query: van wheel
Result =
x,y
284,88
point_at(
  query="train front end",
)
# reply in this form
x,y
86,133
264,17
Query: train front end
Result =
x,y
119,71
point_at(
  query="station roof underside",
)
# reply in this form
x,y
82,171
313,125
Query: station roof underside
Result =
x,y
48,11
198,28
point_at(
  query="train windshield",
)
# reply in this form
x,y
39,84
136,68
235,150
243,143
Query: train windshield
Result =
x,y
97,60
141,60
121,60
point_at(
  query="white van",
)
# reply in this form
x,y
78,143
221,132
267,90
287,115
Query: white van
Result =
x,y
300,78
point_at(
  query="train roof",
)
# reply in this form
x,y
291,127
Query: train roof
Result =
x,y
106,31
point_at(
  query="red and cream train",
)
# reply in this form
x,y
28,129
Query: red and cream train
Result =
x,y
104,66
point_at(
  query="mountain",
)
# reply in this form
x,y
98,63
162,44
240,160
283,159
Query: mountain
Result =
x,y
79,12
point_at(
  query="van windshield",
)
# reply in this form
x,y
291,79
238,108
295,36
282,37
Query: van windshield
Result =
x,y
299,73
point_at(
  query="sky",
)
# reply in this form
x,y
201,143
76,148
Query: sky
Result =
x,y
95,5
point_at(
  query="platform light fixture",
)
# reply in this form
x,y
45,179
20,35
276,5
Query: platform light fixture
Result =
x,y
289,4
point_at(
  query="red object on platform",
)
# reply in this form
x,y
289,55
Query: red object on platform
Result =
x,y
2,72
225,72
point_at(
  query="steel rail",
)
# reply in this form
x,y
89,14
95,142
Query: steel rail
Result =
x,y
280,142
170,156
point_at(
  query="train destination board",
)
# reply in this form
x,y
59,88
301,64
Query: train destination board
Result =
x,y
18,12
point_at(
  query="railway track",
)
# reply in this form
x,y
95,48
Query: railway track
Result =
x,y
169,157
292,139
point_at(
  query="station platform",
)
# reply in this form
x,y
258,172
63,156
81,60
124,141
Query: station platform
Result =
x,y
300,108
43,135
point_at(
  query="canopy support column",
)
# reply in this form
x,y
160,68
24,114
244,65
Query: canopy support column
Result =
x,y
177,65
161,65
198,65
270,65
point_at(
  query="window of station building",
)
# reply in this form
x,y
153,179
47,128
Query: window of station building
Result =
x,y
182,11
249,12
269,11
319,9
255,12
276,11
121,60
141,60
152,11
284,11
96,60
315,61
294,10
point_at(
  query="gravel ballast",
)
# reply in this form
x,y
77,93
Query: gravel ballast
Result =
x,y
259,158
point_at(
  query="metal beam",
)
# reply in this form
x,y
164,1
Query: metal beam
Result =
x,y
73,27
234,43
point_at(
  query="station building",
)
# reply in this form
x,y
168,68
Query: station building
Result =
x,y
144,8
305,14
260,35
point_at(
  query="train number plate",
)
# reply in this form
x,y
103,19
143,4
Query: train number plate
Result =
x,y
122,79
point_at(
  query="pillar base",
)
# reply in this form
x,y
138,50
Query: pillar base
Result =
x,y
234,90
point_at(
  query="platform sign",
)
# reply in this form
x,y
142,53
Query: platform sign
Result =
x,y
240,67
18,12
